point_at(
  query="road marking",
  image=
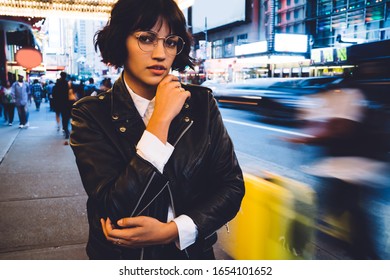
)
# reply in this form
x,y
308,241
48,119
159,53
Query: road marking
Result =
x,y
269,128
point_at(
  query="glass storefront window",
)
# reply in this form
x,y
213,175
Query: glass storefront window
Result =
x,y
217,49
228,47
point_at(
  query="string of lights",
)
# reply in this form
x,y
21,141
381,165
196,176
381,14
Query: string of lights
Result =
x,y
68,8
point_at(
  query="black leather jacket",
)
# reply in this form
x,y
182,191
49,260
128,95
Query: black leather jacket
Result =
x,y
202,179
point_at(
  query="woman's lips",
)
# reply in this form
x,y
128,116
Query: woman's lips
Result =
x,y
157,69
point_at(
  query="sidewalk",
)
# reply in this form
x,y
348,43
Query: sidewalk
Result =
x,y
42,201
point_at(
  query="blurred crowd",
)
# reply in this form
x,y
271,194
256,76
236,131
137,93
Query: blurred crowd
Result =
x,y
20,95
353,166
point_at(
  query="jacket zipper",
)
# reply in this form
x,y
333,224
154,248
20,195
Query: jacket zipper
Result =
x,y
143,193
184,131
146,206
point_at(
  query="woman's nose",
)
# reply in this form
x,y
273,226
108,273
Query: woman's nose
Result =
x,y
159,50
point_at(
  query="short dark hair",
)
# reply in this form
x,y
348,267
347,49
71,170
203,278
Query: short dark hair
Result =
x,y
63,75
129,16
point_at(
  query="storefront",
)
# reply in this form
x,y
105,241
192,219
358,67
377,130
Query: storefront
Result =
x,y
256,60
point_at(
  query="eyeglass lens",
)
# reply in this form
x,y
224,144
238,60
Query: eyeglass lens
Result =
x,y
148,40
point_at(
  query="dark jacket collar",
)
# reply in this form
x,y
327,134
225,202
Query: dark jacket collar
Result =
x,y
123,110
122,105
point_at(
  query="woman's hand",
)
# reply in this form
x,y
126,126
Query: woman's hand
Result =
x,y
139,232
170,98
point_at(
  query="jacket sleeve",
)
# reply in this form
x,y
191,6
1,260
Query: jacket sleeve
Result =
x,y
222,203
119,186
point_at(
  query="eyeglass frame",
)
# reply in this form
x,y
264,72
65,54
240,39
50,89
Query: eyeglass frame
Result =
x,y
159,38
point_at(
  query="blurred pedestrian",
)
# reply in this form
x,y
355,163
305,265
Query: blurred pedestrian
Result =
x,y
20,89
9,103
80,90
37,93
49,94
352,169
158,166
1,103
90,88
104,86
61,104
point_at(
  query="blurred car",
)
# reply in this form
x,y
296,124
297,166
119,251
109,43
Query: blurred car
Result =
x,y
215,83
274,99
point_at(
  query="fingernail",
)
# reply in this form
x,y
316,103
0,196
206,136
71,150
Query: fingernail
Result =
x,y
120,222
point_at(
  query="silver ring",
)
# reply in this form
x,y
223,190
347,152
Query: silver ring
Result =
x,y
117,241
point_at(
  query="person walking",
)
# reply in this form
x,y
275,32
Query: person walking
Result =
x,y
90,87
49,94
20,90
9,103
61,104
154,156
37,93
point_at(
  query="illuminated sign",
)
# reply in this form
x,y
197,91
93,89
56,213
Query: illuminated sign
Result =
x,y
252,48
291,43
327,55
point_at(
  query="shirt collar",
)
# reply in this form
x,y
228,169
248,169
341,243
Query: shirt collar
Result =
x,y
140,103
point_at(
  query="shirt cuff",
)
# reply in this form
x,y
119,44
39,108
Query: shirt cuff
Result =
x,y
188,231
153,150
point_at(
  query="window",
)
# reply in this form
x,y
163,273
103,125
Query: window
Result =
x,y
296,14
217,49
242,39
228,47
279,18
297,28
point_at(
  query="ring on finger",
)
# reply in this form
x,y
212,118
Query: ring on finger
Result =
x,y
117,241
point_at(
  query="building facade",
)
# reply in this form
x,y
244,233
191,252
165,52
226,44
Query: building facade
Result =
x,y
258,45
68,46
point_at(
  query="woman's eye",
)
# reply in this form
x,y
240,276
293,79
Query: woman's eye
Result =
x,y
171,43
147,39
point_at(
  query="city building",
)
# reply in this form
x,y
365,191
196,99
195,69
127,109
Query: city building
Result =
x,y
68,46
282,38
336,25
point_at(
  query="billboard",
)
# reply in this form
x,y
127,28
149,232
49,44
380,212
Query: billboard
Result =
x,y
296,43
217,13
329,55
291,43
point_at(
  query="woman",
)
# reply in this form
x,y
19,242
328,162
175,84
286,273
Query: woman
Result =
x,y
154,156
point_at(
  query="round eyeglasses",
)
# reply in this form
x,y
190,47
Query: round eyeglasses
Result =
x,y
148,40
